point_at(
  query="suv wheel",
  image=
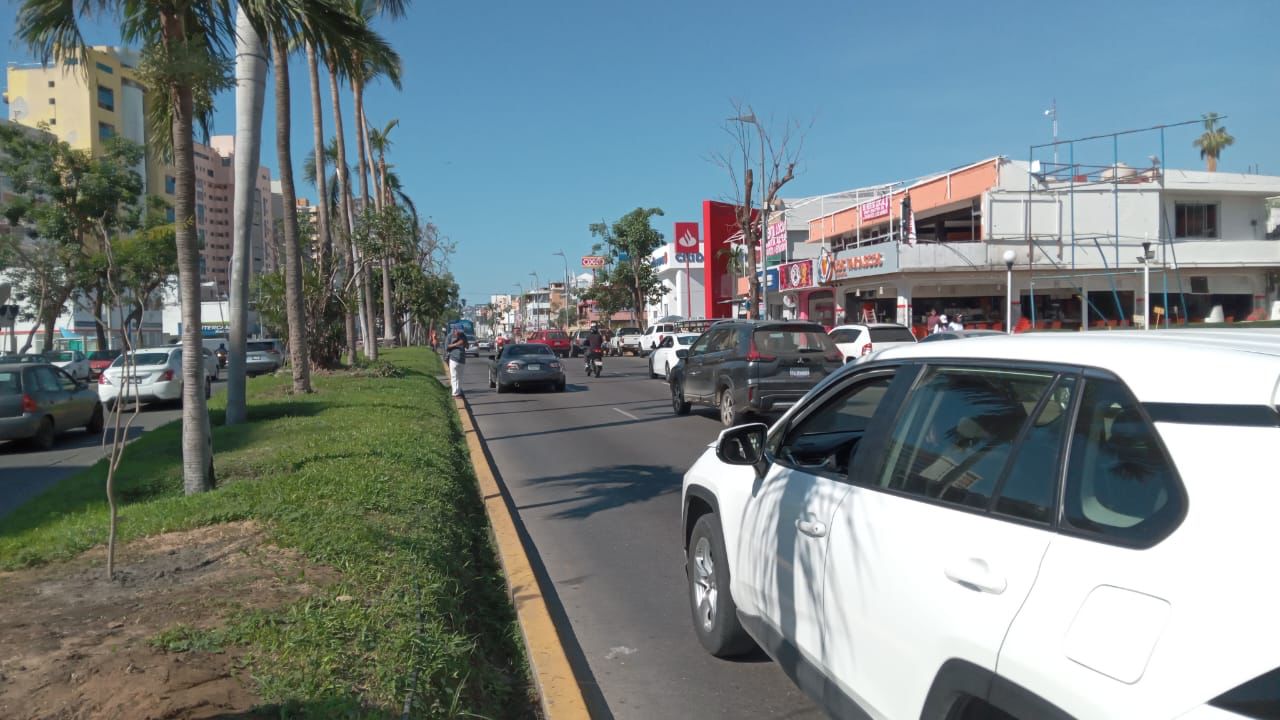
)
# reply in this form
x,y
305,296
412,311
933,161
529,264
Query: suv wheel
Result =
x,y
652,374
678,403
715,617
729,413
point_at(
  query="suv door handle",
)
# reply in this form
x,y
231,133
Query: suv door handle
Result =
x,y
812,528
975,574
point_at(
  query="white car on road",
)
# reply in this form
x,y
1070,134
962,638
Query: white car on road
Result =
x,y
1042,527
156,377
664,357
72,362
859,340
626,340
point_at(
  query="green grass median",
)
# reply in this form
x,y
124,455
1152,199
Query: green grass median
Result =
x,y
370,477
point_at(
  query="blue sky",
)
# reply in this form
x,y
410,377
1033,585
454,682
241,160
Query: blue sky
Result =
x,y
522,123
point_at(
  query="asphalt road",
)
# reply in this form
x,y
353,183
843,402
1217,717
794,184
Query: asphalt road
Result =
x,y
25,473
595,475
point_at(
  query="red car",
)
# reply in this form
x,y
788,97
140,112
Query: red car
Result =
x,y
100,360
557,340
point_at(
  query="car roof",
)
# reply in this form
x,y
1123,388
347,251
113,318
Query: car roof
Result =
x,y
1237,366
14,367
859,326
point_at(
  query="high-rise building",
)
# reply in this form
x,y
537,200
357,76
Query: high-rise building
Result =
x,y
86,104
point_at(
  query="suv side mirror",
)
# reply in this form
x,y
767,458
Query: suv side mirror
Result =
x,y
682,353
742,445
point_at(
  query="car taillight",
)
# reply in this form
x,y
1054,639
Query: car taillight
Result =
x,y
753,354
29,404
102,379
513,366
866,349
166,376
554,365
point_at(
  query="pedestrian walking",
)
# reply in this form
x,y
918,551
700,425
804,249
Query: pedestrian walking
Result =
x,y
457,358
931,322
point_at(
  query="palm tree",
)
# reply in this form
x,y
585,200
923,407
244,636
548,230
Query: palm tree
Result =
x,y
251,81
1213,141
346,209
380,142
322,196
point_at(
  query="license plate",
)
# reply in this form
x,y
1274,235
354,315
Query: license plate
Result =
x,y
535,367
257,358
135,381
800,372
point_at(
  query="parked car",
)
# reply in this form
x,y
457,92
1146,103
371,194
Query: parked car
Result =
x,y
752,366
263,356
100,360
958,335
557,340
525,365
38,401
654,335
859,340
156,377
24,359
484,344
1039,527
73,362
579,343
626,340
664,357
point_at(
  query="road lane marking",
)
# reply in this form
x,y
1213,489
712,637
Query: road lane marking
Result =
x,y
624,412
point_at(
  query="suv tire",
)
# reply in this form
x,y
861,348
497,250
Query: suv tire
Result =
x,y
678,403
652,374
730,415
715,617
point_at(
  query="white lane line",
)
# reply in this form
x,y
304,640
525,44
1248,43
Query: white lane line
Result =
x,y
624,412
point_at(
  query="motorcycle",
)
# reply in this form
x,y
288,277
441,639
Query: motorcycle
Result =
x,y
595,363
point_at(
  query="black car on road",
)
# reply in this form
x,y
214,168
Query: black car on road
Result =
x,y
752,366
524,365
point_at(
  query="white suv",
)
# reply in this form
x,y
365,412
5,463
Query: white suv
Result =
x,y
857,341
655,334
1040,527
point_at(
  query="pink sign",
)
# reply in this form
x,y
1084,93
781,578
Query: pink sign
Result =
x,y
877,208
776,242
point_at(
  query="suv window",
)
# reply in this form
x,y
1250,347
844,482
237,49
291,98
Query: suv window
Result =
x,y
891,334
47,380
847,335
1030,486
792,340
67,383
957,432
827,439
1119,482
708,342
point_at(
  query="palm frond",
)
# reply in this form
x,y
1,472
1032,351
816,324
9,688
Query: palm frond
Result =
x,y
51,29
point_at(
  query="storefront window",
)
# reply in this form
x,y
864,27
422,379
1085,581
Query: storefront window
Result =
x,y
822,308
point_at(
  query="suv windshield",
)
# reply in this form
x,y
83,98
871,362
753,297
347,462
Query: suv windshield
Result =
x,y
790,340
891,334
629,331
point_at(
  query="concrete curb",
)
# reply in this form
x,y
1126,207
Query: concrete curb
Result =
x,y
558,690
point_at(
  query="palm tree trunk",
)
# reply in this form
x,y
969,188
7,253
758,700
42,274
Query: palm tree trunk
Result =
x,y
294,310
370,342
344,207
322,193
379,203
1212,162
251,89
392,331
197,444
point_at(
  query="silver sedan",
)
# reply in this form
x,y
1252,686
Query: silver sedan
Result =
x,y
525,365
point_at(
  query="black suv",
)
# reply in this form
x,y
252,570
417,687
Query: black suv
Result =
x,y
744,366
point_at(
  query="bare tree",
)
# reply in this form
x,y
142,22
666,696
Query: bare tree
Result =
x,y
775,151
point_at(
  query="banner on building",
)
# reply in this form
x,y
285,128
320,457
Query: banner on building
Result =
x,y
796,275
874,209
776,239
592,261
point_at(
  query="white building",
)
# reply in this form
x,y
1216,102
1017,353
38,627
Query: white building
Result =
x,y
1076,236
681,276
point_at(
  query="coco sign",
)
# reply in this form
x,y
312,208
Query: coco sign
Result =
x,y
592,261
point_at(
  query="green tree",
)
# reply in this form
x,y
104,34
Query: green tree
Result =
x,y
1213,141
627,245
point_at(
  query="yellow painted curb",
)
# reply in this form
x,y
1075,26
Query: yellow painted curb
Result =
x,y
557,687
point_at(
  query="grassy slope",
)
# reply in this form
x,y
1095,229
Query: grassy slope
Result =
x,y
370,476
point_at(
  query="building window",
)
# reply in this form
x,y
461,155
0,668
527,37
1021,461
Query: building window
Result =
x,y
168,214
200,213
53,101
106,98
170,184
106,68
200,234
51,84
1195,220
106,131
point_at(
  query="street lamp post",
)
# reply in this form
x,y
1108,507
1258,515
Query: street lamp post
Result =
x,y
567,295
750,119
1009,257
1146,284
518,326
537,285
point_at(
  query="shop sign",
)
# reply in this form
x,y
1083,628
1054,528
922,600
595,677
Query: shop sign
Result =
x,y
686,237
863,263
593,261
692,258
776,240
659,260
796,275
826,266
874,209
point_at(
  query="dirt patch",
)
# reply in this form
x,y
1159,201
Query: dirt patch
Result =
x,y
73,645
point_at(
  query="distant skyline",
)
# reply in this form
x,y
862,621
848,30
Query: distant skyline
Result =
x,y
522,124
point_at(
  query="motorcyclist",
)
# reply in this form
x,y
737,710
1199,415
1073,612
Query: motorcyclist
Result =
x,y
595,345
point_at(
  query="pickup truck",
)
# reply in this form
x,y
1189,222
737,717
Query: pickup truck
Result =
x,y
626,340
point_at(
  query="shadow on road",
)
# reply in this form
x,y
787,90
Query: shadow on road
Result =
x,y
642,404
606,488
593,426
